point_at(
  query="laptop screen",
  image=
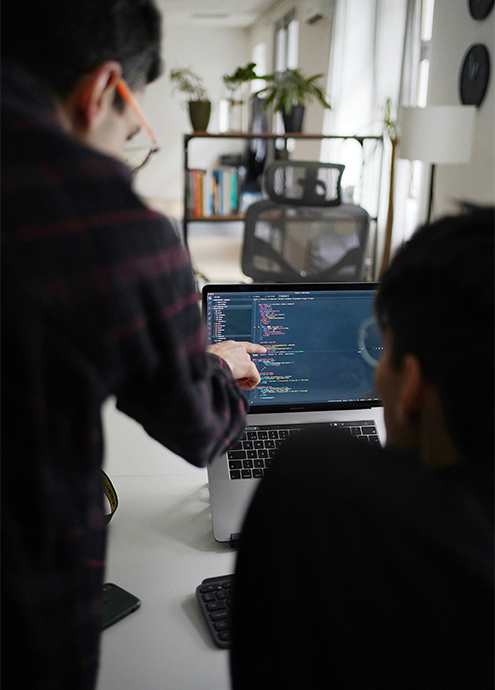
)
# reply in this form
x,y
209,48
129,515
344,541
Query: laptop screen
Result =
x,y
322,340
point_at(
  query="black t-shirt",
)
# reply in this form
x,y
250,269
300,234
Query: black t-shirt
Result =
x,y
360,567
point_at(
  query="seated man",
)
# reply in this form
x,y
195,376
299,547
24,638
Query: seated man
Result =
x,y
373,567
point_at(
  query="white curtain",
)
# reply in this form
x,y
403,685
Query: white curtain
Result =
x,y
375,56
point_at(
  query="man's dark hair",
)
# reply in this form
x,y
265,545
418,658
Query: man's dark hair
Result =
x,y
59,40
438,299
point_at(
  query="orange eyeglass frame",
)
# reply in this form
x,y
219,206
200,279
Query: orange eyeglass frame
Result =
x,y
131,101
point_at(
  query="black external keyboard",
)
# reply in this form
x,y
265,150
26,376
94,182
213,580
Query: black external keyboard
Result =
x,y
252,455
214,596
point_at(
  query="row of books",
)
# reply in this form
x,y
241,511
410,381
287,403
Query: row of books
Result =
x,y
213,192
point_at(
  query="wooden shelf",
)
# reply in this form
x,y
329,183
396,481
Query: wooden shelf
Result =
x,y
273,135
214,219
253,135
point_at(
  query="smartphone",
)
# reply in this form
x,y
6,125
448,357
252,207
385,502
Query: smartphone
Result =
x,y
117,603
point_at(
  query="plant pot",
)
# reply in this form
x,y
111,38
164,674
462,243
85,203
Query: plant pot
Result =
x,y
199,114
293,121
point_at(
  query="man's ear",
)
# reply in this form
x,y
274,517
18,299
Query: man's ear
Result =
x,y
412,385
92,96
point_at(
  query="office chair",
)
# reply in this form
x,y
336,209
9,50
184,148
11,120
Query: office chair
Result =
x,y
303,232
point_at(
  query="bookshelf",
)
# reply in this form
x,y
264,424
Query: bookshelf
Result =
x,y
229,217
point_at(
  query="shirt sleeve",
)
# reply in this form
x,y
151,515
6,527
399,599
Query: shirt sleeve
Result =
x,y
185,398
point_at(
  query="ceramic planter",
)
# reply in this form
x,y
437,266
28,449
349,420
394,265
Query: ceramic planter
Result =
x,y
199,114
293,121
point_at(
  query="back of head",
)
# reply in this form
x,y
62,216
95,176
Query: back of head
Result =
x,y
438,299
59,40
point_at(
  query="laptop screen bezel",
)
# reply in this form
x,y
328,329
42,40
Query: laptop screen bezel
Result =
x,y
210,288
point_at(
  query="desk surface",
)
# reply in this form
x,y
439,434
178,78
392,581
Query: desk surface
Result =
x,y
160,548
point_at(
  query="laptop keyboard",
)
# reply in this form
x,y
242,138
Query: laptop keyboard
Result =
x,y
252,454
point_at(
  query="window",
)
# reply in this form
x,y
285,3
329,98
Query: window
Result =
x,y
285,57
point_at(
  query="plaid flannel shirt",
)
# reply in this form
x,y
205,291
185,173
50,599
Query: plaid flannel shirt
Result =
x,y
98,299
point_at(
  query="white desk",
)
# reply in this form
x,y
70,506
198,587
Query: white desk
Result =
x,y
160,548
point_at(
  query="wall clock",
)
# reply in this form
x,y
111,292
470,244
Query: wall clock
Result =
x,y
480,9
475,75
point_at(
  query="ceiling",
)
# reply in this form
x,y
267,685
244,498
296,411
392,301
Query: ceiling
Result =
x,y
232,13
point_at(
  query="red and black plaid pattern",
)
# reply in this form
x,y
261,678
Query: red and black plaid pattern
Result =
x,y
98,299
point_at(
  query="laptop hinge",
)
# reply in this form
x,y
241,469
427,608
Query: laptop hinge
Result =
x,y
234,540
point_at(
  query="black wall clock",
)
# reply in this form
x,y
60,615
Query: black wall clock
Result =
x,y
475,75
480,9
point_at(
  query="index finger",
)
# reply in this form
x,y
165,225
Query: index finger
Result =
x,y
252,347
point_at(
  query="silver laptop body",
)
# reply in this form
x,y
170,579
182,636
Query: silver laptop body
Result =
x,y
322,347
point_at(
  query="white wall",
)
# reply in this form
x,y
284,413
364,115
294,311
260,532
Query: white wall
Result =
x,y
211,52
454,31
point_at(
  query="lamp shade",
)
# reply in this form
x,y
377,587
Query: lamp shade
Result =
x,y
437,134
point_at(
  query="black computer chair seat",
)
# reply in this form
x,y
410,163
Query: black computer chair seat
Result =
x,y
303,233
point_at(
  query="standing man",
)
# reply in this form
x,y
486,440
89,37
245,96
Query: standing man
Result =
x,y
98,299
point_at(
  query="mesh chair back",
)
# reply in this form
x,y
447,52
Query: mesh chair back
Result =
x,y
303,183
305,243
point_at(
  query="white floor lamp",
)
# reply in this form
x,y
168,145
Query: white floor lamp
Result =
x,y
436,134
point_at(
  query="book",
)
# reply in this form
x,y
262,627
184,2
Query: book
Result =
x,y
213,192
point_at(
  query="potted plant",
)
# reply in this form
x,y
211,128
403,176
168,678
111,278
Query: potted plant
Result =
x,y
235,83
186,81
289,92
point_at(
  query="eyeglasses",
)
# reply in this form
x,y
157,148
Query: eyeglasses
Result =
x,y
137,156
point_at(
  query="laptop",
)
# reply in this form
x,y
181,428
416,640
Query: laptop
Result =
x,y
323,345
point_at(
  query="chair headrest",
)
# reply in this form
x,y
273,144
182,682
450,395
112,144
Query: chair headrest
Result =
x,y
304,183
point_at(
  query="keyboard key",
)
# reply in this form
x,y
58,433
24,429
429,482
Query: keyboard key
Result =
x,y
273,434
368,430
356,431
226,636
262,434
252,454
235,474
235,464
236,454
259,463
258,444
247,464
246,474
222,625
210,596
262,454
220,615
252,435
257,474
216,606
247,445
269,444
374,440
283,433
210,588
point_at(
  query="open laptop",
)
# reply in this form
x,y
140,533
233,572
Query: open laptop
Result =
x,y
322,347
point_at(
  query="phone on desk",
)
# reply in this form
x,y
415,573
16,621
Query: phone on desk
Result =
x,y
117,603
